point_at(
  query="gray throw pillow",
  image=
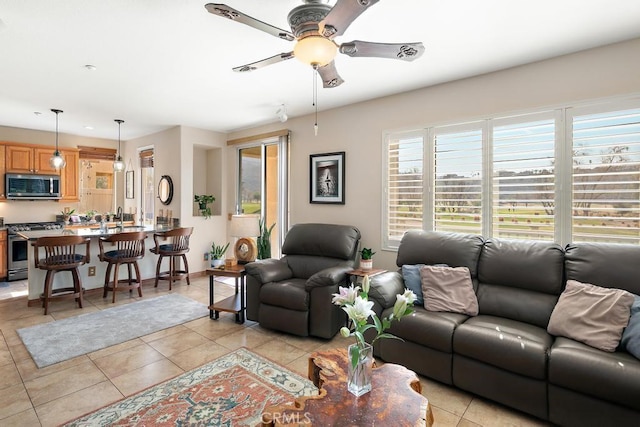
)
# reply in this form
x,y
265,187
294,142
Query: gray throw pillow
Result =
x,y
591,314
448,289
631,335
411,277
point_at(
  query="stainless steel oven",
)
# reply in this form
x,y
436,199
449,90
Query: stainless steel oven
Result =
x,y
18,247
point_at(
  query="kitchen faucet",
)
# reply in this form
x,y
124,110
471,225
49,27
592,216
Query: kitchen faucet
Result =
x,y
119,215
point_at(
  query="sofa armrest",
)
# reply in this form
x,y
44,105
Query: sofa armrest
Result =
x,y
328,277
269,270
384,288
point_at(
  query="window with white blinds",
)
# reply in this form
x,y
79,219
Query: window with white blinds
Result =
x,y
606,176
404,186
523,184
457,195
567,175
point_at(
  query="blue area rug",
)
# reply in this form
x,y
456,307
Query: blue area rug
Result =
x,y
57,341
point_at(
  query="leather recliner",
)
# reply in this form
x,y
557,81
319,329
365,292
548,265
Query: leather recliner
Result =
x,y
293,294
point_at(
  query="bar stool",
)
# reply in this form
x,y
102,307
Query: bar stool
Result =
x,y
60,255
129,249
176,249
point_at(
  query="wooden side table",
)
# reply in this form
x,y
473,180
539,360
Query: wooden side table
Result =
x,y
395,398
352,276
233,304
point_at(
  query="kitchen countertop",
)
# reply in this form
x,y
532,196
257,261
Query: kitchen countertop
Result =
x,y
92,232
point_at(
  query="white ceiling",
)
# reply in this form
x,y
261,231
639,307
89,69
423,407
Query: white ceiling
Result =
x,y
162,63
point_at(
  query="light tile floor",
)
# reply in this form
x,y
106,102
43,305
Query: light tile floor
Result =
x,y
46,397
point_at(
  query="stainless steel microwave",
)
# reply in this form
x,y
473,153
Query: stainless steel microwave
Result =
x,y
34,187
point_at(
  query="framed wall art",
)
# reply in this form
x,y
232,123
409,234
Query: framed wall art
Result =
x,y
327,178
129,184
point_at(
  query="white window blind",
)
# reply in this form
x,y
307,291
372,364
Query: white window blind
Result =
x,y
606,177
523,179
405,186
457,191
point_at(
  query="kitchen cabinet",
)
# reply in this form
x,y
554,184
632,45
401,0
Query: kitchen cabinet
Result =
x,y
3,194
29,159
3,254
69,176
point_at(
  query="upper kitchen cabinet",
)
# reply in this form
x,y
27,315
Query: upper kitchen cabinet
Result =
x,y
3,195
69,175
27,159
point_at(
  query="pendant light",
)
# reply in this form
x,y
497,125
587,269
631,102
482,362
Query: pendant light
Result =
x,y
56,161
118,165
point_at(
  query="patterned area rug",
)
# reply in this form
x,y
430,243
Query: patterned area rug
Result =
x,y
230,391
54,342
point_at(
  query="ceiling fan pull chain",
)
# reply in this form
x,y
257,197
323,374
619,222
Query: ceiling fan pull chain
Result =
x,y
315,97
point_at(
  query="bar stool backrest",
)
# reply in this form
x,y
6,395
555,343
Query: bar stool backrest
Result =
x,y
60,252
129,246
179,238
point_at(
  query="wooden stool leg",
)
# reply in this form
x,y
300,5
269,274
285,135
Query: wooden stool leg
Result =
x,y
115,282
130,282
107,276
158,270
135,265
186,268
48,291
77,284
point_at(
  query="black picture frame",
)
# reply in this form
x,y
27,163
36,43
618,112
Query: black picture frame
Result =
x,y
129,184
327,178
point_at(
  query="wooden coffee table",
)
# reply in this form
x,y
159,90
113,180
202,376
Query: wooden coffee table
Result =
x,y
394,400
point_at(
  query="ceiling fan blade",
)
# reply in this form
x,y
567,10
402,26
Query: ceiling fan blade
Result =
x,y
342,15
264,62
235,15
403,51
329,75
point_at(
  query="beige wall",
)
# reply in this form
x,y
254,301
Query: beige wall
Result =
x,y
358,129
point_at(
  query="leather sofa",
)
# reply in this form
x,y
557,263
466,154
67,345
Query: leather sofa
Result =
x,y
505,353
293,294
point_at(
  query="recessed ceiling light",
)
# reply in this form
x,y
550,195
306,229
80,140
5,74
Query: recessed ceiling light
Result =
x,y
89,127
90,67
37,113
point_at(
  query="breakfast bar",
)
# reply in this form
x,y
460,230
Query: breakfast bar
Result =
x,y
95,266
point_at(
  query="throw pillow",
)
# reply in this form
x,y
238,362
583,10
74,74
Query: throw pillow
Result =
x,y
448,289
631,335
411,277
591,314
413,281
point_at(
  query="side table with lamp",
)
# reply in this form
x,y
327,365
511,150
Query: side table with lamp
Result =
x,y
243,227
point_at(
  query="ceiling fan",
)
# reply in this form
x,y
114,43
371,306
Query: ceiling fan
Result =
x,y
314,25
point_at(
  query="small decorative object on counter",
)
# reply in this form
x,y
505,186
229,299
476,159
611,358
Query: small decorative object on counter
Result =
x,y
358,308
366,259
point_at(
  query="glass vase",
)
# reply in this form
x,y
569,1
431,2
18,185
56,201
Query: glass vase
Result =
x,y
360,366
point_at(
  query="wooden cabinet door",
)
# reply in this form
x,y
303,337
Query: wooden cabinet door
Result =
x,y
41,158
3,194
19,159
3,254
70,177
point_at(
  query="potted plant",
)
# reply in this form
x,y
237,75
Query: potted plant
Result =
x,y
203,202
264,239
217,254
366,261
67,214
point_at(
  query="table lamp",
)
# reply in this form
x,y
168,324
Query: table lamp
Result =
x,y
245,227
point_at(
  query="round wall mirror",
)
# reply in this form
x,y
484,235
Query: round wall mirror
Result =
x,y
165,190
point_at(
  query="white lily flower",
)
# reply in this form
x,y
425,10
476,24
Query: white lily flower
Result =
x,y
360,310
346,295
366,284
400,306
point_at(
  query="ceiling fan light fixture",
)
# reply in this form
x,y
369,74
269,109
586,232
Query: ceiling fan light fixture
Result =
x,y
315,50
